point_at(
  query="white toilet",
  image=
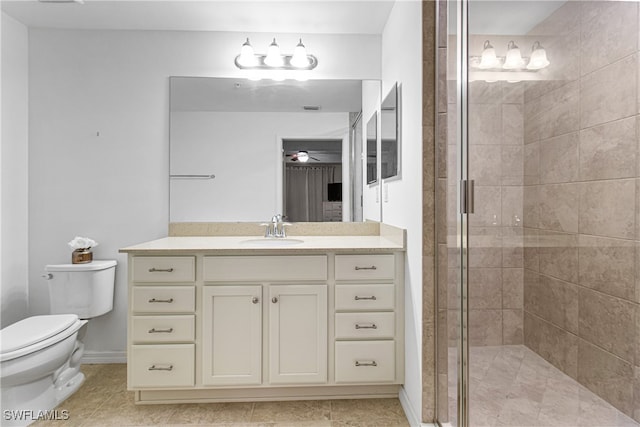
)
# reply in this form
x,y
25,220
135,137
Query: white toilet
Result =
x,y
40,355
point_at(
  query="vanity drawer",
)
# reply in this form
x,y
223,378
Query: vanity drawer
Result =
x,y
365,325
365,361
162,365
265,268
365,297
163,299
162,329
363,267
164,269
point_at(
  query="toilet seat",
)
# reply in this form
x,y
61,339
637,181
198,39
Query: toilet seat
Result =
x,y
35,333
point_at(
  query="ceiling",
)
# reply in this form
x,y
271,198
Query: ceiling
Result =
x,y
508,17
287,16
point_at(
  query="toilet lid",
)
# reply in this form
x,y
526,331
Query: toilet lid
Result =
x,y
32,330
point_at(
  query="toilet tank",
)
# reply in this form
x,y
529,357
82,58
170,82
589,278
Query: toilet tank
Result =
x,y
82,289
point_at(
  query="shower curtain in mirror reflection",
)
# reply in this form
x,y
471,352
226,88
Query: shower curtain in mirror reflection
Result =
x,y
306,189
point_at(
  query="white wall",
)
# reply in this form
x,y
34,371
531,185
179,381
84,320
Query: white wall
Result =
x,y
242,150
402,198
14,172
99,137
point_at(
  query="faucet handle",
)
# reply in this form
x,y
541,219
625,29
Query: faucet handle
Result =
x,y
268,231
284,232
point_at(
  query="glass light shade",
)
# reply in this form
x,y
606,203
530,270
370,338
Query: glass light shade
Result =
x,y
538,58
488,58
299,58
513,60
274,58
303,156
247,58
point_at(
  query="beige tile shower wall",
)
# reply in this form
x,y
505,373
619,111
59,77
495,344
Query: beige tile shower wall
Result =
x,y
441,173
430,184
496,150
581,200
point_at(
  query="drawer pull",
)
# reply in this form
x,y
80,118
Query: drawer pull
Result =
x,y
255,300
169,301
371,326
372,363
373,267
161,270
372,298
158,331
160,368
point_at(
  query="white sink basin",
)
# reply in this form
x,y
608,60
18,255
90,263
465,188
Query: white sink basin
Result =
x,y
271,242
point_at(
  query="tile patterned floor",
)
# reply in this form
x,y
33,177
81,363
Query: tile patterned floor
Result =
x,y
104,401
513,386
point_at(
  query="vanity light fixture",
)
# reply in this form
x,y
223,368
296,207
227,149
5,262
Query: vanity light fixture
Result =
x,y
538,57
274,59
488,58
247,58
513,61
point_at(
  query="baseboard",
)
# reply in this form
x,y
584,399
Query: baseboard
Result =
x,y
414,420
95,357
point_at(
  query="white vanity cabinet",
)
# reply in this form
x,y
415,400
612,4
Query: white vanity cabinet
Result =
x,y
232,335
295,319
298,334
366,348
207,326
161,322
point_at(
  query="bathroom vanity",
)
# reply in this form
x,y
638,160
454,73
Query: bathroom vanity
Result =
x,y
238,317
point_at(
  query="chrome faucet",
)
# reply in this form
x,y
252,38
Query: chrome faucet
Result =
x,y
276,228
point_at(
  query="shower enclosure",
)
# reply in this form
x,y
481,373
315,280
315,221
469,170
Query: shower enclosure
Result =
x,y
539,193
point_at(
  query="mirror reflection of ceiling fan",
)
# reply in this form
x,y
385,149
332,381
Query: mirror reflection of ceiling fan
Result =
x,y
301,156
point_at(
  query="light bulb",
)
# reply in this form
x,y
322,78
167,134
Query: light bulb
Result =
x,y
274,58
538,58
489,58
299,58
247,57
303,156
514,60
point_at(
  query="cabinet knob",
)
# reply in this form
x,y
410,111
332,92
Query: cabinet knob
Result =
x,y
274,300
255,300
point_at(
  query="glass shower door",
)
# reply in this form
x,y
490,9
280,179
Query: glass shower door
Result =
x,y
542,299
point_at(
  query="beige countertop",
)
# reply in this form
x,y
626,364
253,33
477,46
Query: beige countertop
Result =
x,y
258,244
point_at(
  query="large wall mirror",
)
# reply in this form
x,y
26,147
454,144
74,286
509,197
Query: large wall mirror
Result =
x,y
389,138
243,150
372,149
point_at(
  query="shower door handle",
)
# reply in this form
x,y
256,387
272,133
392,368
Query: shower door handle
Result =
x,y
467,190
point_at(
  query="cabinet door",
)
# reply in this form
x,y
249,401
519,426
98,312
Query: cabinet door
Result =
x,y
297,334
232,335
